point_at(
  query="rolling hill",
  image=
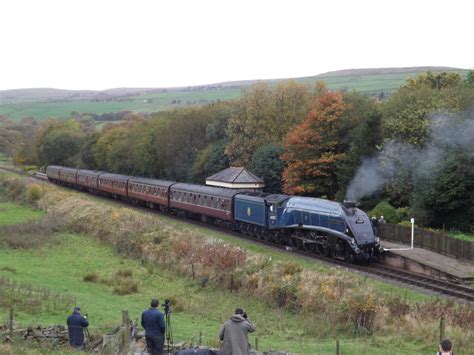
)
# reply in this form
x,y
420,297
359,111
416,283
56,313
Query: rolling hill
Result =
x,y
47,102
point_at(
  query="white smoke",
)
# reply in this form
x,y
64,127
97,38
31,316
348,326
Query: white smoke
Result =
x,y
447,132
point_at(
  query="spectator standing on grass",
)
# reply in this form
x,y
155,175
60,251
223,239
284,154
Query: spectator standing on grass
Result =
x,y
154,324
445,348
76,323
234,334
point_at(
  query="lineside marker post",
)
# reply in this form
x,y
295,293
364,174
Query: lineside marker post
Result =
x,y
11,323
125,319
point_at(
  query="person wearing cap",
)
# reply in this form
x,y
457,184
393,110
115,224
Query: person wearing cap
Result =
x,y
76,323
154,323
234,334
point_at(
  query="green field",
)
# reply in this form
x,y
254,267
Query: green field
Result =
x,y
11,213
143,103
370,82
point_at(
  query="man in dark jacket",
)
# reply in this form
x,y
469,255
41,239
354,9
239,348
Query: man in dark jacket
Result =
x,y
75,326
154,324
234,334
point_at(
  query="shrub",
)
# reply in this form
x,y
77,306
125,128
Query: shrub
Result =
x,y
386,210
361,310
33,193
91,277
125,286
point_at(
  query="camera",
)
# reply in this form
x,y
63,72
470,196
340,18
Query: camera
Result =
x,y
167,306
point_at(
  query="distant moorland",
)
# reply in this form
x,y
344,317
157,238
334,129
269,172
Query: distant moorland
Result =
x,y
45,102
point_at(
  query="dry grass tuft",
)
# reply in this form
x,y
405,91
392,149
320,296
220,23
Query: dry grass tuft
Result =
x,y
91,277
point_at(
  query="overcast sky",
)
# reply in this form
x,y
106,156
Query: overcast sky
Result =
x,y
100,44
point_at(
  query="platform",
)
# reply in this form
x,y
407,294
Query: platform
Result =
x,y
426,262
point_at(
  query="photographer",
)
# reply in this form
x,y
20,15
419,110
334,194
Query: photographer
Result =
x,y
234,334
154,324
76,323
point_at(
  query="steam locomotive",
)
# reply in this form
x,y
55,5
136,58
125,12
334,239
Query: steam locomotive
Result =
x,y
331,229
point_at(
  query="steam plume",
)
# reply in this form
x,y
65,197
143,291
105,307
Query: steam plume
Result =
x,y
447,132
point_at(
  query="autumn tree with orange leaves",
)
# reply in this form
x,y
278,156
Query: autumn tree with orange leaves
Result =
x,y
314,148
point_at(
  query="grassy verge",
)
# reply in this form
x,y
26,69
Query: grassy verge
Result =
x,y
61,269
298,305
11,213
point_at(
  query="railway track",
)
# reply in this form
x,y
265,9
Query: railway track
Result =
x,y
424,282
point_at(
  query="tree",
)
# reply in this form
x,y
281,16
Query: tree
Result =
x,y
265,115
210,160
408,117
266,163
363,141
313,149
58,142
443,199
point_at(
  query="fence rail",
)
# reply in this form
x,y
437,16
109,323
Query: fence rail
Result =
x,y
435,241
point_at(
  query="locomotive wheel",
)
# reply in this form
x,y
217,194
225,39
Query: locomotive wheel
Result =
x,y
311,247
324,247
297,243
350,258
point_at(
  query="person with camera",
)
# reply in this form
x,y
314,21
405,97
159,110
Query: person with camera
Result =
x,y
76,323
154,324
234,334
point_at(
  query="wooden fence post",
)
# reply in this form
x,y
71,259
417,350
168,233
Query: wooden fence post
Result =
x,y
441,329
125,319
256,343
200,338
338,349
11,322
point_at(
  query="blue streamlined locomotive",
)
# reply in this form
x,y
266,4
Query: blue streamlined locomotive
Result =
x,y
316,225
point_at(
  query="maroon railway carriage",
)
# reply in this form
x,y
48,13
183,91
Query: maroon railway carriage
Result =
x,y
149,190
206,200
52,172
88,179
113,183
68,176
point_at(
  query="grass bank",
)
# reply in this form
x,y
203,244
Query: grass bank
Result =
x,y
11,213
298,305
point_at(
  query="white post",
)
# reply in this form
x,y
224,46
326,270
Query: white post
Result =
x,y
412,220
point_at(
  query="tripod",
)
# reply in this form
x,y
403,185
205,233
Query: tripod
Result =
x,y
168,329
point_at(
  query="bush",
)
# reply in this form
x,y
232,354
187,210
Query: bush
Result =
x,y
33,193
386,210
125,286
361,310
91,277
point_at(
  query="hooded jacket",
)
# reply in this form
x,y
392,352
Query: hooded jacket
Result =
x,y
234,334
75,323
